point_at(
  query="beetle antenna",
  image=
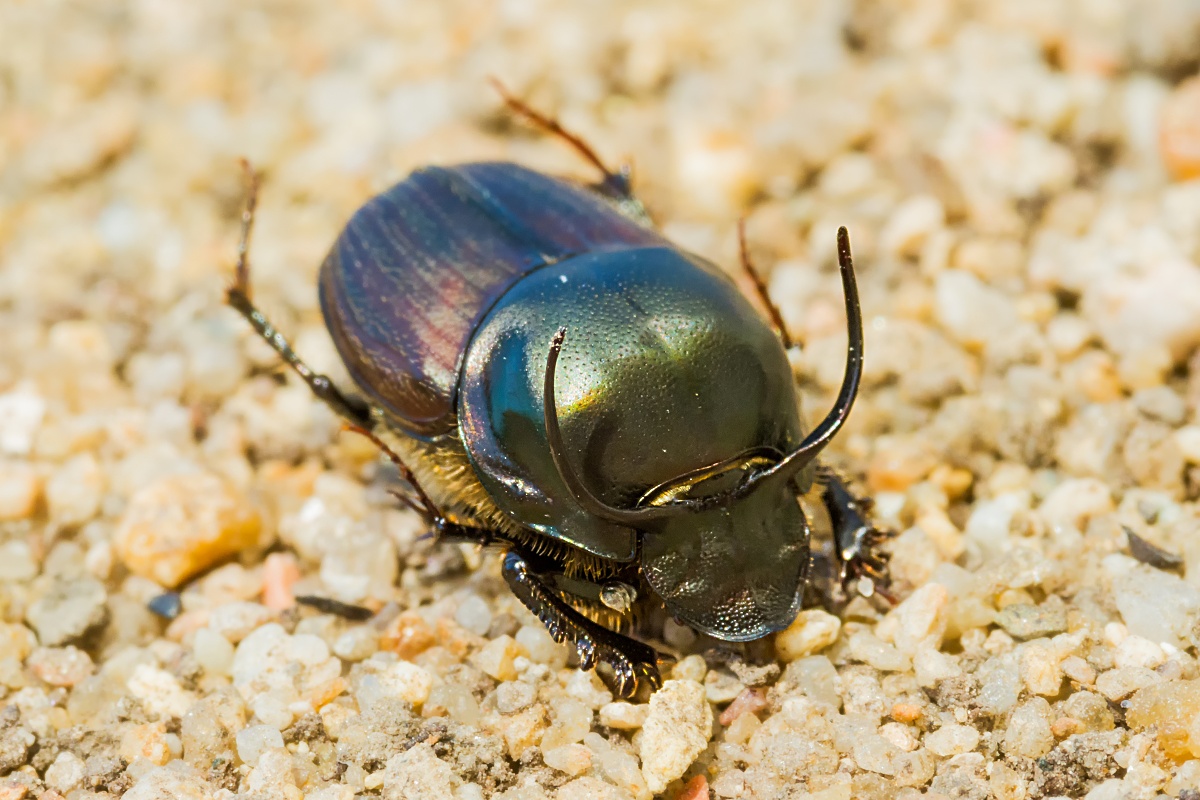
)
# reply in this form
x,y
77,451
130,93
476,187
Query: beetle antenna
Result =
x,y
558,452
760,287
820,436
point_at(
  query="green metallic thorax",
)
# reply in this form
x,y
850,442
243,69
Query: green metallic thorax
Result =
x,y
666,368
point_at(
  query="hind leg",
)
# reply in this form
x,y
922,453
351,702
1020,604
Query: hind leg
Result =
x,y
615,185
351,409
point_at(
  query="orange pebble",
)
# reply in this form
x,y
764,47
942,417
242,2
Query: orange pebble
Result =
x,y
13,791
1179,131
695,789
326,693
280,574
455,638
895,467
186,624
407,635
906,712
1066,726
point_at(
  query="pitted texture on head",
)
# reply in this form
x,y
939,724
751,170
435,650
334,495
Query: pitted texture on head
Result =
x,y
734,572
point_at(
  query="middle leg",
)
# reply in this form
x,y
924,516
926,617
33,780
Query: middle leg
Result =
x,y
531,578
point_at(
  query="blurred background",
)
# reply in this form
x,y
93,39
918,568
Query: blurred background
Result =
x,y
1021,181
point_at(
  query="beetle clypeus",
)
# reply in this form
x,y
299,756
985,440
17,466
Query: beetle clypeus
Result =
x,y
553,376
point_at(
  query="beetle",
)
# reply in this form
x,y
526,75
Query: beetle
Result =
x,y
553,376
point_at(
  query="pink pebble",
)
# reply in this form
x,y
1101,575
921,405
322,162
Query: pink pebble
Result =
x,y
749,701
279,574
185,625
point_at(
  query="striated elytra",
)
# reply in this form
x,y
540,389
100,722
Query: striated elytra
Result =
x,y
554,377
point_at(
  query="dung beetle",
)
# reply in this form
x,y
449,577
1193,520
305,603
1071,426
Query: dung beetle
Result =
x,y
553,376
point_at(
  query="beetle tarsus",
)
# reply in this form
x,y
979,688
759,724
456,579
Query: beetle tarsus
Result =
x,y
858,542
630,660
253,181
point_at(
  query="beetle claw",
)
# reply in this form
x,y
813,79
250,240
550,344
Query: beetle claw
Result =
x,y
866,558
586,649
858,542
632,663
866,569
623,680
650,674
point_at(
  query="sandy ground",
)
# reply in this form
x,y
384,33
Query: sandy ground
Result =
x,y
1020,181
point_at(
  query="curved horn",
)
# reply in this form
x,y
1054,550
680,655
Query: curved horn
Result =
x,y
558,451
821,435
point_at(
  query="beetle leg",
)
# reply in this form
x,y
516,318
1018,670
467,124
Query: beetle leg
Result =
x,y
857,540
760,287
423,505
615,185
631,661
238,296
441,528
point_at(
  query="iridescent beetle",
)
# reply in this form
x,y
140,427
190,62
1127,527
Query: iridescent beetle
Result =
x,y
553,376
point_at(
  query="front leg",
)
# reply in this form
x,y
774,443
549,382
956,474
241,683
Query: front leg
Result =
x,y
631,661
856,539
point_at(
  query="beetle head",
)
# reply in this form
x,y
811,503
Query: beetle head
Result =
x,y
734,570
